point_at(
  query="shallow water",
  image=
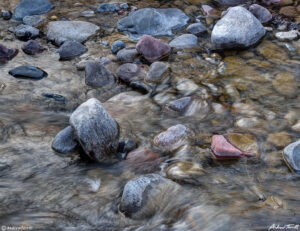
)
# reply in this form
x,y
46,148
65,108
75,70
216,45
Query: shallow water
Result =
x,y
238,93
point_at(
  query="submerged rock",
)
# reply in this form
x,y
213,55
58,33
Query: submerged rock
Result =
x,y
61,31
97,75
171,139
128,72
231,2
261,13
32,7
71,49
32,47
291,155
237,29
152,49
7,54
185,41
65,142
127,55
155,22
95,130
157,72
180,105
26,32
142,154
196,28
28,72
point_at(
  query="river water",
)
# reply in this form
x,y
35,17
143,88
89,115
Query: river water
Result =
x,y
243,92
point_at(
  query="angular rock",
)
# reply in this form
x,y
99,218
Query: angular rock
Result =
x,y
26,32
180,105
291,155
117,45
32,47
33,20
61,31
185,41
127,55
32,7
97,75
108,8
156,72
95,130
261,13
171,139
152,49
71,49
237,29
155,22
128,72
64,142
7,54
28,72
196,28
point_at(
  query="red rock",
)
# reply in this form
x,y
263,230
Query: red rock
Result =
x,y
222,149
152,49
142,154
7,54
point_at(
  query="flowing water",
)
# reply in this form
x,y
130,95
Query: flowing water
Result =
x,y
241,92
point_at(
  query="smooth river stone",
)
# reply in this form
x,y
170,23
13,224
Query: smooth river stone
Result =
x,y
32,47
152,49
128,72
26,32
65,142
291,155
142,154
157,72
95,130
71,49
7,54
171,139
32,7
97,75
185,41
261,13
239,28
245,142
28,72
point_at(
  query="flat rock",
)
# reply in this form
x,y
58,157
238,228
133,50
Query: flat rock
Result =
x,y
108,8
97,75
26,32
33,20
95,130
127,55
152,49
231,2
291,155
71,49
239,28
31,7
171,139
61,31
7,54
196,28
261,13
156,72
28,72
287,35
185,41
32,47
155,22
64,142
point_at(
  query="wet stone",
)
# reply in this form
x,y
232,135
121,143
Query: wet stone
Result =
x,y
261,13
156,72
7,54
26,32
56,97
171,139
291,155
285,84
117,45
185,41
231,2
28,72
196,29
152,49
245,142
33,20
6,14
108,8
142,154
180,105
279,139
97,75
127,55
64,142
71,49
126,146
32,47
287,35
95,130
32,7
128,72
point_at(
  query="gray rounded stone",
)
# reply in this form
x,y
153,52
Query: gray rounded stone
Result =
x,y
97,75
64,142
127,55
185,41
196,28
156,72
70,50
291,155
26,32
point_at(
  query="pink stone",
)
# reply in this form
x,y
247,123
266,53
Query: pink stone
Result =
x,y
152,49
142,154
222,149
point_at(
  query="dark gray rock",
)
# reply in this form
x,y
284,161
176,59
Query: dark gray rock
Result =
x,y
61,31
128,72
231,2
156,72
108,8
291,155
196,28
64,142
7,54
97,75
239,28
32,7
95,130
185,41
32,47
127,55
117,45
26,32
180,105
155,22
261,13
28,72
33,20
71,49
6,14
124,6
56,97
